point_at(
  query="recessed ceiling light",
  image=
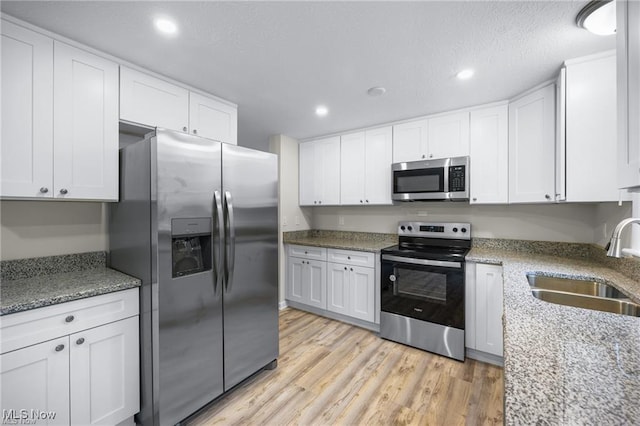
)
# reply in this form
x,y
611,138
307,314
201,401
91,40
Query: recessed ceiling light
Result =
x,y
598,17
165,26
376,91
322,111
465,74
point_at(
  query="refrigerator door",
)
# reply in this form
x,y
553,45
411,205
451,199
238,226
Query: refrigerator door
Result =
x,y
251,261
189,340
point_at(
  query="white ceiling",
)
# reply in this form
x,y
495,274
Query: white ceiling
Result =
x,y
278,60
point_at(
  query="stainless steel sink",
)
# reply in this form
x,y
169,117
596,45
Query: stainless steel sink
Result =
x,y
616,306
589,287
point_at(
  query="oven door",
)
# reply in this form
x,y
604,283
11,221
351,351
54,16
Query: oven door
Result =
x,y
427,290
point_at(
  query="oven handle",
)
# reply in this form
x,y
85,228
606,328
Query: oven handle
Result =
x,y
426,262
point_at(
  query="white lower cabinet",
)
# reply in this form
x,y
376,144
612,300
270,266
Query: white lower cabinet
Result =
x,y
342,282
88,377
483,311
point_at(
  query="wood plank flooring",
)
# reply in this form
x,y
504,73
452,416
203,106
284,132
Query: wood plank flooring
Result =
x,y
331,373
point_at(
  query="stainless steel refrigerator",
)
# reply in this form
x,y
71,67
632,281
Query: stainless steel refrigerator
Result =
x,y
197,223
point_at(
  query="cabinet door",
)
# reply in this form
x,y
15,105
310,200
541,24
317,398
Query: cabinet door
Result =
x,y
85,132
378,152
295,279
105,373
338,289
532,147
489,155
213,119
410,141
307,174
36,379
148,100
315,283
591,146
27,113
449,135
489,309
352,168
329,176
362,293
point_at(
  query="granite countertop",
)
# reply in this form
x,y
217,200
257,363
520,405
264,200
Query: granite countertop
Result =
x,y
360,241
34,283
565,365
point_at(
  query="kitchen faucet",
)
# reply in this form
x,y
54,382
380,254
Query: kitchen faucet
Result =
x,y
614,248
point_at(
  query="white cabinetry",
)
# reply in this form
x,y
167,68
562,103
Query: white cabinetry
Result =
x,y
320,172
78,359
483,311
60,120
154,102
351,291
489,145
306,276
365,159
532,147
591,146
628,80
437,137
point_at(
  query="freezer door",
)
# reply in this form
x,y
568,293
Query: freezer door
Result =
x,y
189,305
251,276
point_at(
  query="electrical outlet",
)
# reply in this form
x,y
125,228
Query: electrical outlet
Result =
x,y
341,220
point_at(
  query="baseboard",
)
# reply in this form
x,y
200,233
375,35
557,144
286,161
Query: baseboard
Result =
x,y
332,315
484,357
282,305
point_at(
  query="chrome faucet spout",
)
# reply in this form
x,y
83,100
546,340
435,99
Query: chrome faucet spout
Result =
x,y
614,248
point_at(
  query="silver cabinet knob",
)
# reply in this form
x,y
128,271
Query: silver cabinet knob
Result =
x,y
315,202
59,348
349,257
63,191
184,129
360,201
351,269
392,278
69,318
430,155
320,202
44,189
475,199
195,132
80,341
424,156
366,201
547,196
345,268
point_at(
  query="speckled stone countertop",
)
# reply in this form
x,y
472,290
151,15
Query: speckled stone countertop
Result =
x,y
565,365
361,241
37,282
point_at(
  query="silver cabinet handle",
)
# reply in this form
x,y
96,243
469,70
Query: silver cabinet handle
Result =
x,y
217,199
69,318
63,191
547,196
80,341
231,239
184,129
59,348
44,190
195,132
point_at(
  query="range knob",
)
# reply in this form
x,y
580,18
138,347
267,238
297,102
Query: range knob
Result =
x,y
455,229
410,228
464,230
402,228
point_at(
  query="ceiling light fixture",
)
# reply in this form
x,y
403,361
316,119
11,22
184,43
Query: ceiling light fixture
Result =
x,y
598,17
376,91
165,26
321,111
465,74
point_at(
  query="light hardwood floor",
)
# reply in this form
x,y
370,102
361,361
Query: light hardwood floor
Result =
x,y
331,373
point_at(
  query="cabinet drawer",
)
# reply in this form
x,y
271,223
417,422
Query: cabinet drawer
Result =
x,y
37,325
358,258
307,252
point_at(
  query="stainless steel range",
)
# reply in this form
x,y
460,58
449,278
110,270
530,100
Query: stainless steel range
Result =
x,y
422,285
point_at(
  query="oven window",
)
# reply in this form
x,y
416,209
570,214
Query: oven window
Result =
x,y
431,286
415,181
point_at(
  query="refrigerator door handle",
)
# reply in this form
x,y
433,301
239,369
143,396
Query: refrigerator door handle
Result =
x,y
230,240
219,221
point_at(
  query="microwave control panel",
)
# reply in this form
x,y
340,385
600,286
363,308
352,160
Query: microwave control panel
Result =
x,y
457,178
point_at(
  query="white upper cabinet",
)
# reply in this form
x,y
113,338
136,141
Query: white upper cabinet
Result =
x,y
155,102
591,145
628,80
449,135
85,125
365,159
410,141
148,100
320,172
489,155
27,113
213,119
532,147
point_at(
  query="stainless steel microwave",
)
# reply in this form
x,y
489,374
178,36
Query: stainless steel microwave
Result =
x,y
444,179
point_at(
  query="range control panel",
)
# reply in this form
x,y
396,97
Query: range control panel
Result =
x,y
461,231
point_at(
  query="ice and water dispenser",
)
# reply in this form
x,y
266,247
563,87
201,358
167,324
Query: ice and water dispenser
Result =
x,y
190,246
